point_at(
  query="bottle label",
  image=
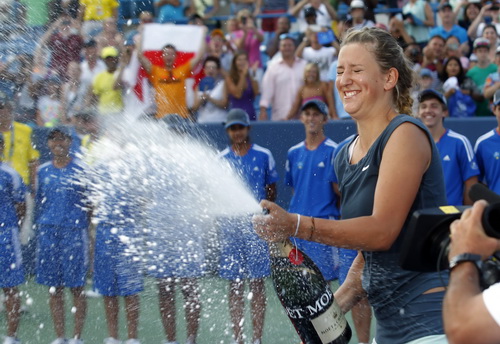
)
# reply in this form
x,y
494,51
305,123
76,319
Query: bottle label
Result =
x,y
330,325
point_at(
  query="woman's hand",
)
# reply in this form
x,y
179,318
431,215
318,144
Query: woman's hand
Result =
x,y
278,225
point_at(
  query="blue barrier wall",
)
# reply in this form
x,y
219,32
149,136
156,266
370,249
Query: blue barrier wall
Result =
x,y
280,136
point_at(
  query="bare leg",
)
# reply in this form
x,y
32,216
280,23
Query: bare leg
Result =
x,y
362,318
258,307
166,299
13,308
80,303
192,303
111,308
56,302
236,308
132,310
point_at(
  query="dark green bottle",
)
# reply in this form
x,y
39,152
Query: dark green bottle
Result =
x,y
307,297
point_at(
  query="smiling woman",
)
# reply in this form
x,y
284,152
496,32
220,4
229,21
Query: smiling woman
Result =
x,y
380,189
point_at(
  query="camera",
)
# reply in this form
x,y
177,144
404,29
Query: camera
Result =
x,y
425,247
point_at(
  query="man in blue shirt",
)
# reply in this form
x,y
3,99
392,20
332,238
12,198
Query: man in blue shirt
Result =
x,y
448,27
62,219
12,210
244,256
487,150
457,156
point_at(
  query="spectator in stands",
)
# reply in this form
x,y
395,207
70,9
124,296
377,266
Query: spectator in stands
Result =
x,y
94,12
58,7
492,83
13,208
238,5
357,12
490,33
106,86
419,19
370,6
50,110
470,13
72,94
169,80
311,50
453,49
83,123
457,156
169,11
205,8
62,220
486,149
36,13
273,44
398,31
270,25
210,101
454,68
90,67
109,36
242,88
313,89
414,53
219,47
64,42
488,15
248,39
480,72
282,81
434,54
244,256
426,79
449,28
324,12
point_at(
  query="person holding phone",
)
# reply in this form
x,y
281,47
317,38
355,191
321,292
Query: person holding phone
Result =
x,y
311,50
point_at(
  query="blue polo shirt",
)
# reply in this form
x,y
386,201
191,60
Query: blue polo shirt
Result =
x,y
257,167
61,195
487,150
310,173
456,31
459,164
12,191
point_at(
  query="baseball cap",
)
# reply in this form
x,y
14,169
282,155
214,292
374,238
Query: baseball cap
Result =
x,y
481,43
496,98
426,72
318,104
309,11
59,129
430,93
357,4
237,116
444,5
217,32
109,52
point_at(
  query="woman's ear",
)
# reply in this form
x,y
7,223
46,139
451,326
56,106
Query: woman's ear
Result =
x,y
391,79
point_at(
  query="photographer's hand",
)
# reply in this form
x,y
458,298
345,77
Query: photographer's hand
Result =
x,y
468,236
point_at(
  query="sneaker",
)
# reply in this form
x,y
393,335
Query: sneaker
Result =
x,y
59,341
11,340
74,341
132,341
112,341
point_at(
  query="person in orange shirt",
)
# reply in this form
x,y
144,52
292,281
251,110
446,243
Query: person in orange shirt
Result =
x,y
169,80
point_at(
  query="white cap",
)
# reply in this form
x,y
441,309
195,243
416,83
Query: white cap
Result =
x,y
451,83
357,4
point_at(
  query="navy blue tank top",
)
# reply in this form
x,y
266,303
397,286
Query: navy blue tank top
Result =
x,y
391,289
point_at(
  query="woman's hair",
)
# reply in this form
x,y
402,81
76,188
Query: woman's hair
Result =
x,y
477,5
461,74
233,71
492,26
310,66
214,59
388,54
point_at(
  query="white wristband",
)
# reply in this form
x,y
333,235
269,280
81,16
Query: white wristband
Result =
x,y
298,225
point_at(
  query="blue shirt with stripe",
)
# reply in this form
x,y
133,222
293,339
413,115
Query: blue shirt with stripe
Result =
x,y
310,173
459,164
61,195
12,192
257,167
487,150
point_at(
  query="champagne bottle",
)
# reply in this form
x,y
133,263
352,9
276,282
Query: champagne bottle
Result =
x,y
307,297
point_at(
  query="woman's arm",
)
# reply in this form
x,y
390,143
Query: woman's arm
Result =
x,y
351,291
328,95
296,105
429,16
396,189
